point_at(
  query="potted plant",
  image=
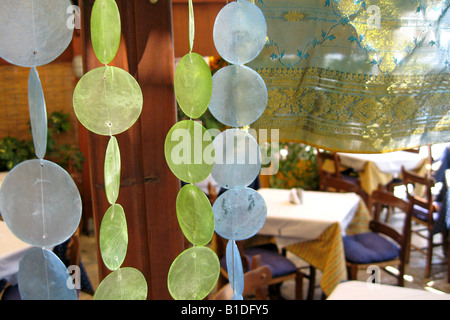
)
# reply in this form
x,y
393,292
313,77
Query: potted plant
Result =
x,y
297,167
13,150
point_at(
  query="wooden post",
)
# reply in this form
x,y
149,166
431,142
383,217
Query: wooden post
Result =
x,y
148,188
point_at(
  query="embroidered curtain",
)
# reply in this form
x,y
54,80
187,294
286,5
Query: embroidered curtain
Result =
x,y
357,76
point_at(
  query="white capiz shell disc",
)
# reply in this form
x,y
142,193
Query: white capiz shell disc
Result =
x,y
43,276
240,32
40,203
34,32
237,159
239,96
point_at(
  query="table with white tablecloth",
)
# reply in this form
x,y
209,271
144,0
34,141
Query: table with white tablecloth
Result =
x,y
381,168
290,223
12,251
360,290
313,228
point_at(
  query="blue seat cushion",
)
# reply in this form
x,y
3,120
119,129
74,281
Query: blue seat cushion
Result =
x,y
278,264
369,247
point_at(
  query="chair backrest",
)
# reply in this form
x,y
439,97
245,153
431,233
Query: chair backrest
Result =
x,y
322,156
335,181
255,280
220,247
332,183
380,199
414,181
413,150
429,151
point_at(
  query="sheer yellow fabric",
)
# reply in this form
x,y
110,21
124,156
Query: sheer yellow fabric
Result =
x,y
357,76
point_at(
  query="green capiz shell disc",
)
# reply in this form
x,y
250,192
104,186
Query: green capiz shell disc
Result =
x,y
105,30
193,85
112,170
195,215
193,274
113,237
107,100
189,151
123,284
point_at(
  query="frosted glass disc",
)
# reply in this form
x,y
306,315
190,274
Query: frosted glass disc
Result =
x,y
107,100
240,32
42,276
237,159
105,30
235,270
193,85
193,274
239,213
38,113
239,96
189,151
113,237
123,284
195,215
112,170
41,205
34,32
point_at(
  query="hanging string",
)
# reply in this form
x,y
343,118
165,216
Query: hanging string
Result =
x,y
191,26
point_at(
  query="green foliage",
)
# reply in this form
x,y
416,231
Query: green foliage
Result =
x,y
65,155
13,151
298,169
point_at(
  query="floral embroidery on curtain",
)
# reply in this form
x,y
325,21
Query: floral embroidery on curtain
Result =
x,y
357,76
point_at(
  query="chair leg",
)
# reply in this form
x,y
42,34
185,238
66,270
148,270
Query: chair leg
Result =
x,y
312,282
352,271
401,280
299,285
429,256
448,265
408,248
447,237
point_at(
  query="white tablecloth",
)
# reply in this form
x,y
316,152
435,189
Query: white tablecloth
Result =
x,y
291,223
12,250
390,162
360,290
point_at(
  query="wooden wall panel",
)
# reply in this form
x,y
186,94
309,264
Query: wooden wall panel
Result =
x,y
148,189
205,12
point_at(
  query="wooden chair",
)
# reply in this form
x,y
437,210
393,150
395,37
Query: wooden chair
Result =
x,y
336,181
281,268
425,214
322,157
399,182
373,248
256,280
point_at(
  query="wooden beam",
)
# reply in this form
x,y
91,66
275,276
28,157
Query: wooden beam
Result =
x,y
148,187
205,12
